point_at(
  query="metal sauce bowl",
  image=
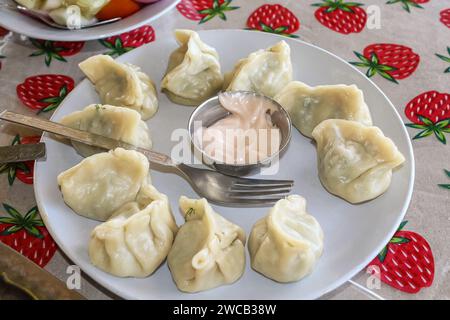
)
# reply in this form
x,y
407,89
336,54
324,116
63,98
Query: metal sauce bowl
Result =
x,y
211,111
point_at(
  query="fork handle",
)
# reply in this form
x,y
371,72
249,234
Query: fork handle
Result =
x,y
83,136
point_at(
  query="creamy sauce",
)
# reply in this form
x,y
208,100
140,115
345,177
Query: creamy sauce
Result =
x,y
246,136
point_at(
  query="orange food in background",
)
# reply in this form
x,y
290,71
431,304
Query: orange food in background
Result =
x,y
118,8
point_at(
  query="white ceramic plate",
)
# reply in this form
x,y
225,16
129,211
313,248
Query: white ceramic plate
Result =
x,y
354,234
21,24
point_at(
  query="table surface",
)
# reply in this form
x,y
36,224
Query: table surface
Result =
x,y
412,48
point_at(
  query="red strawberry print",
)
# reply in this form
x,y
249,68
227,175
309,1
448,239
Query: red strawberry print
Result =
x,y
430,113
128,41
20,170
391,61
406,4
340,16
205,10
445,186
274,18
406,262
55,49
445,17
44,92
27,235
3,32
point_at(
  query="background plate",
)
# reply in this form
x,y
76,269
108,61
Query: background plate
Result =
x,y
354,234
30,27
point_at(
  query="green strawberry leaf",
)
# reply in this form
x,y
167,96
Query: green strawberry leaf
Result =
x,y
265,27
21,166
371,72
106,44
118,43
398,240
16,140
385,67
37,53
439,135
63,91
382,255
445,186
373,58
12,212
443,123
58,57
31,214
50,100
425,120
425,133
11,175
446,59
362,58
38,223
7,220
34,231
416,126
280,29
402,225
11,230
387,76
358,64
447,172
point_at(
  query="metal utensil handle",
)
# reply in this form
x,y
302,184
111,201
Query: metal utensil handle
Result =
x,y
22,152
82,136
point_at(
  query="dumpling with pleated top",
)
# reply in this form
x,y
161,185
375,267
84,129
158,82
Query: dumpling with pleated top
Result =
x,y
121,84
264,71
100,184
118,123
355,162
193,73
286,244
137,238
208,250
309,106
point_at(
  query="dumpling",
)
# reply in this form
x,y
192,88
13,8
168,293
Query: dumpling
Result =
x,y
355,162
309,106
286,244
102,183
121,84
114,122
193,74
208,250
137,238
264,71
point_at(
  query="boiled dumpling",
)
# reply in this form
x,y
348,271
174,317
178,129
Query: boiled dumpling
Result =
x,y
309,106
264,71
286,244
193,74
121,84
208,250
119,123
104,182
355,162
137,238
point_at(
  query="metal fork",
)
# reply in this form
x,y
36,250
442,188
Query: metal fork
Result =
x,y
44,17
214,186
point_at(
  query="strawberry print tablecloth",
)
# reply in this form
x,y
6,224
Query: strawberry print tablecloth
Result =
x,y
403,45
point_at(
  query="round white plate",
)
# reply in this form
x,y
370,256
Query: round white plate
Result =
x,y
354,234
33,28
